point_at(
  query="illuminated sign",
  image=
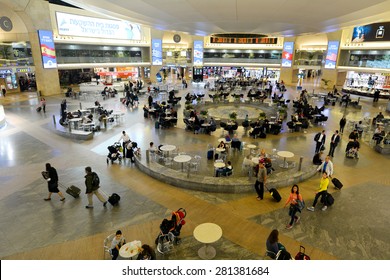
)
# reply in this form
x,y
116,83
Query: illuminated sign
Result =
x,y
331,55
232,40
287,55
82,26
371,33
156,52
198,53
48,52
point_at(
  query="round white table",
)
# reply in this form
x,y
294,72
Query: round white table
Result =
x,y
168,148
285,154
251,147
182,159
255,160
207,233
130,249
217,166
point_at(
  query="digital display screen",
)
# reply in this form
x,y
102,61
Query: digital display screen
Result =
x,y
156,52
287,55
48,52
371,33
198,53
331,55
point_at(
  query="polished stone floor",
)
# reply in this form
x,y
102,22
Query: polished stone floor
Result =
x,y
355,227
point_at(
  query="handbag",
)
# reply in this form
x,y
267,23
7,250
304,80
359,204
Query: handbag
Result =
x,y
300,204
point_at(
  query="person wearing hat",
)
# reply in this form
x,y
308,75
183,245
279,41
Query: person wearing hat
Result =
x,y
260,180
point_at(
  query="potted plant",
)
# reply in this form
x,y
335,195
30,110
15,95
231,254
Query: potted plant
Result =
x,y
262,116
326,83
282,113
204,113
233,116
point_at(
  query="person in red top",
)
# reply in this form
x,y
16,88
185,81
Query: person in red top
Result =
x,y
293,200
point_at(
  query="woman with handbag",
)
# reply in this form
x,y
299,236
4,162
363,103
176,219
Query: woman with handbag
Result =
x,y
296,205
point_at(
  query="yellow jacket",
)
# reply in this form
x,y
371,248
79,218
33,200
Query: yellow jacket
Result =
x,y
324,184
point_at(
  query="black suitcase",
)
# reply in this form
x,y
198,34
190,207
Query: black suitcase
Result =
x,y
210,154
114,199
275,194
73,191
336,182
39,109
329,200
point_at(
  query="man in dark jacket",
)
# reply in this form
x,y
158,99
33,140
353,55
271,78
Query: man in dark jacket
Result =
x,y
320,141
334,141
92,187
51,177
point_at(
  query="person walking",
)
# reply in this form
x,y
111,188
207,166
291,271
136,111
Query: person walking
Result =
x,y
322,191
43,104
92,183
3,90
261,180
320,141
326,166
125,141
334,141
294,207
376,95
51,177
342,124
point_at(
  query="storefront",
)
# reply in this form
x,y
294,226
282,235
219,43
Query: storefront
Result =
x,y
367,80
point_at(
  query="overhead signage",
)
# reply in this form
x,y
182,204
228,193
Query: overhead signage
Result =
x,y
48,52
232,40
287,54
198,53
82,26
331,55
5,71
156,52
375,32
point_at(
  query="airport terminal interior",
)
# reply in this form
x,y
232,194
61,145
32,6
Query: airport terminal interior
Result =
x,y
355,227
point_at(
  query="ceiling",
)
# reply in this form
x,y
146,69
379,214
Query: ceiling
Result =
x,y
276,17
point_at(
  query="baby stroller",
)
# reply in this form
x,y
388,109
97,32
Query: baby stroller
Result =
x,y
170,231
114,153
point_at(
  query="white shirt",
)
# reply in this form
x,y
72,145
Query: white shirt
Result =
x,y
320,138
125,138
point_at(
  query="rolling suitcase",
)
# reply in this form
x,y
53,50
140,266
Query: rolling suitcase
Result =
x,y
114,199
210,154
336,182
275,194
73,191
301,254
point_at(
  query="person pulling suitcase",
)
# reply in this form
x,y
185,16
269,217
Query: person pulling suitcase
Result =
x,y
92,182
261,179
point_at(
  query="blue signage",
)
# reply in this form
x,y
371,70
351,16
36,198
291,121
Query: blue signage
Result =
x,y
198,53
156,52
48,52
331,55
287,55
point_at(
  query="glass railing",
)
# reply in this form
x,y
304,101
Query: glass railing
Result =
x,y
242,60
66,60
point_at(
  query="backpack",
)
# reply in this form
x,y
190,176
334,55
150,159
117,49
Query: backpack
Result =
x,y
95,180
317,137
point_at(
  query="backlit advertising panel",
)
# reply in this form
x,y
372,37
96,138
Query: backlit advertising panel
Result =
x,y
48,52
82,26
287,55
331,55
375,32
198,53
156,52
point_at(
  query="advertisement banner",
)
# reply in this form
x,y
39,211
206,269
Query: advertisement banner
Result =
x,y
331,55
198,53
48,52
375,32
287,55
156,52
82,26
